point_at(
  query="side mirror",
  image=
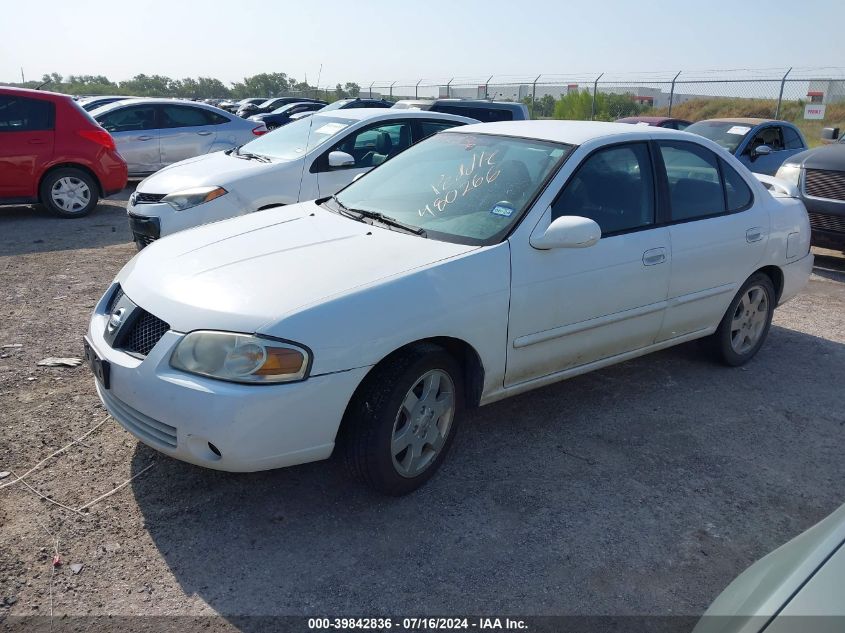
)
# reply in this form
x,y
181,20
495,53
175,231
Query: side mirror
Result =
x,y
830,134
341,159
568,231
762,150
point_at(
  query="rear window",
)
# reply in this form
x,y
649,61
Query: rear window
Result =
x,y
485,115
21,114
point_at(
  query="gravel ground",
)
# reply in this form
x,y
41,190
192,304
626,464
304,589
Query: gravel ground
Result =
x,y
640,489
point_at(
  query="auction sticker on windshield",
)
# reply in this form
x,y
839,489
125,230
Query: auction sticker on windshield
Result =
x,y
740,130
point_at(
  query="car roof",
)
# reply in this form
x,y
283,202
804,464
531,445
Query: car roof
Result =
x,y
362,114
27,92
647,119
742,120
153,101
570,132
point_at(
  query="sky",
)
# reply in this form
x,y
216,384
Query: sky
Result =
x,y
375,40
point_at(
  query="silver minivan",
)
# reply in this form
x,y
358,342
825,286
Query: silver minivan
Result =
x,y
153,133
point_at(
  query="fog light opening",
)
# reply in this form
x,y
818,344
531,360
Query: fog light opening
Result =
x,y
214,449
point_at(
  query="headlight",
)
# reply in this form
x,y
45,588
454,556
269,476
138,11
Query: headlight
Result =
x,y
789,173
188,198
240,357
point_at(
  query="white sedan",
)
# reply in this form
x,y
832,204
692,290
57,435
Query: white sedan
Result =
x,y
303,160
483,262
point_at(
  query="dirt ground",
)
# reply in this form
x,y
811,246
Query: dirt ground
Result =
x,y
640,489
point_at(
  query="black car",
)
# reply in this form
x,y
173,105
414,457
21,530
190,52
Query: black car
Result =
x,y
820,176
268,105
478,109
282,116
343,104
234,106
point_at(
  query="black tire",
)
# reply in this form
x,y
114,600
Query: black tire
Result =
x,y
722,341
368,426
52,179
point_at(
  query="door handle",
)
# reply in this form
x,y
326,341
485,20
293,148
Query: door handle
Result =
x,y
144,138
654,256
204,133
754,235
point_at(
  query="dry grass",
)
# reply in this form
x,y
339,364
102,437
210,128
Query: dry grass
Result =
x,y
792,111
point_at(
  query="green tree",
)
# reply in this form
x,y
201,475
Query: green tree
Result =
x,y
352,89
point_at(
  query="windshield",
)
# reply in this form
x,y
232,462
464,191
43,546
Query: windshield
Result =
x,y
337,105
728,135
469,188
298,138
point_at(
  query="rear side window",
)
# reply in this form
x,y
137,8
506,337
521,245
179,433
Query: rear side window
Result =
x,y
737,194
614,187
427,128
20,114
695,186
183,116
791,139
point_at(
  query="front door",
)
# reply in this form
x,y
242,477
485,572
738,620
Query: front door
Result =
x,y
573,306
135,133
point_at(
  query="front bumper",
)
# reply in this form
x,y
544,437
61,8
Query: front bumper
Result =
x,y
216,424
169,220
145,230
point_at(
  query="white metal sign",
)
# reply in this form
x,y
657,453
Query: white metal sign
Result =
x,y
814,111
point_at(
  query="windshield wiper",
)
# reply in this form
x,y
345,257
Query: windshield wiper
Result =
x,y
360,214
236,151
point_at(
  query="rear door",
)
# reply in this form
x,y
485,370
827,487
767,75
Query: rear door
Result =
x,y
136,135
718,235
186,131
27,138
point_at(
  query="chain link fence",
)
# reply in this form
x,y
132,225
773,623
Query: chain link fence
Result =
x,y
764,93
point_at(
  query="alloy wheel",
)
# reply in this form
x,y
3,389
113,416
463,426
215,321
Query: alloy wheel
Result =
x,y
749,319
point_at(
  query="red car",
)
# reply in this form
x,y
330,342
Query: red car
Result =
x,y
53,152
657,121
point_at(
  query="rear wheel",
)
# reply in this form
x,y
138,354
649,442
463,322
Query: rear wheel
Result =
x,y
403,420
69,192
746,324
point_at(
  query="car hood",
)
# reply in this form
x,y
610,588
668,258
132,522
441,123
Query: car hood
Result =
x,y
248,273
826,157
215,169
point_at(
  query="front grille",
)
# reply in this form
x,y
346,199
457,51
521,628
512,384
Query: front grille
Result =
x,y
141,426
145,333
825,222
148,198
824,183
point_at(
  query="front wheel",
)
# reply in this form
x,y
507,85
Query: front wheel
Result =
x,y
746,324
403,420
69,192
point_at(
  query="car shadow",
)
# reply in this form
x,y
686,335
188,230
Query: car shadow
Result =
x,y
641,488
32,229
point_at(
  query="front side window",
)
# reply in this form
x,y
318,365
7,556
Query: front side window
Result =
x,y
373,146
695,185
133,118
468,188
791,139
18,114
614,187
770,136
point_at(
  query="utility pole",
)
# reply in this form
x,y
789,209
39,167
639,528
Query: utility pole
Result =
x,y
23,80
